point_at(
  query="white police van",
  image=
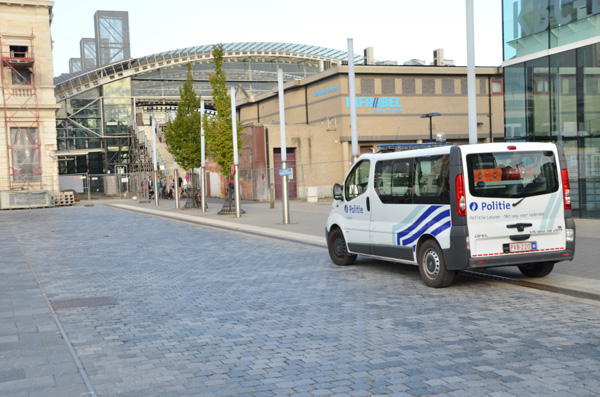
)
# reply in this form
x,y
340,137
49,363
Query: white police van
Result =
x,y
454,208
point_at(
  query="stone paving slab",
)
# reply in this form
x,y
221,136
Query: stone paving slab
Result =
x,y
308,224
201,311
33,356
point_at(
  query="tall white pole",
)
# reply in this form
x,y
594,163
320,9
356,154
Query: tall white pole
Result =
x,y
352,94
154,161
284,180
176,184
238,209
471,93
203,152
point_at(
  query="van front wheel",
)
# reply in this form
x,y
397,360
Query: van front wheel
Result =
x,y
432,266
338,251
541,269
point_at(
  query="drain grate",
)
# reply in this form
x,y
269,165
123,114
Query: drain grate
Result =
x,y
83,302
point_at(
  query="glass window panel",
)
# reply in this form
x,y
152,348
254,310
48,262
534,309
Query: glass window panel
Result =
x,y
588,159
563,99
117,106
358,180
514,102
431,180
525,27
538,100
24,154
22,76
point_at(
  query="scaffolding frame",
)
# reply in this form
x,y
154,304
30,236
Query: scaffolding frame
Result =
x,y
21,115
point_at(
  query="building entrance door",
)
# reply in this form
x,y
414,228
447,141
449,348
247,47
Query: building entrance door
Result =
x,y
291,163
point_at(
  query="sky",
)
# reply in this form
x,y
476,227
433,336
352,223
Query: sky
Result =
x,y
398,30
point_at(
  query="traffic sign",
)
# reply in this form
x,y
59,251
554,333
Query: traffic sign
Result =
x,y
285,171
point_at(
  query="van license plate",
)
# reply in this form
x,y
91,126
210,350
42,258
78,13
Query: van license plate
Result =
x,y
522,247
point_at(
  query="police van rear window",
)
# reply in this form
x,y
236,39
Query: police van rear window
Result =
x,y
512,174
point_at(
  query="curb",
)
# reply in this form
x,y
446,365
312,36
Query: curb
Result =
x,y
264,231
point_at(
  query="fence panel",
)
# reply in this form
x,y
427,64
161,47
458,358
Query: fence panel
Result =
x,y
313,181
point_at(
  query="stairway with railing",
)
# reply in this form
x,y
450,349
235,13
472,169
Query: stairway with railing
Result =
x,y
164,159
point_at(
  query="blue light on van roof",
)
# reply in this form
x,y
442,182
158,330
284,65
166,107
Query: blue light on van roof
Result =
x,y
400,147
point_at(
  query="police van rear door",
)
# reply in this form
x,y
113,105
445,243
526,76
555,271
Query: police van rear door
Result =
x,y
514,199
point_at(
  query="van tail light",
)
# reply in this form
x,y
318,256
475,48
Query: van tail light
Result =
x,y
461,200
566,189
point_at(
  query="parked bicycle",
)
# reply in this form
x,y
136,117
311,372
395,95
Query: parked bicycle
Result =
x,y
198,199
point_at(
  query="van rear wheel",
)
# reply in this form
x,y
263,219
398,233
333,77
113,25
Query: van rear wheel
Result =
x,y
338,250
432,266
541,269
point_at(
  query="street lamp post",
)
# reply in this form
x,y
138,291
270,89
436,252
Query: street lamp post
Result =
x,y
430,115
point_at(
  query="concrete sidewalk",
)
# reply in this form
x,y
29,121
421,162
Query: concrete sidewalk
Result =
x,y
307,220
307,224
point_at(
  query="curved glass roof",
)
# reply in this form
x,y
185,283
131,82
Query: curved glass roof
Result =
x,y
291,50
309,50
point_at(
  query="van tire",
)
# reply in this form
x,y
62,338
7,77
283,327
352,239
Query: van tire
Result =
x,y
432,266
541,269
338,250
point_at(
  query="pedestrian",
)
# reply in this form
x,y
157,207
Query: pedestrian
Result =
x,y
150,188
163,186
180,184
170,187
159,187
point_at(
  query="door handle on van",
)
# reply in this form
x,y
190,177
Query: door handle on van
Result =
x,y
519,226
368,205
520,237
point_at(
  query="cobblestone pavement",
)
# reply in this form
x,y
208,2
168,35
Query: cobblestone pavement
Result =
x,y
184,309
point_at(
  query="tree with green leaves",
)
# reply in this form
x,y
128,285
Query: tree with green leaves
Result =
x,y
183,132
218,129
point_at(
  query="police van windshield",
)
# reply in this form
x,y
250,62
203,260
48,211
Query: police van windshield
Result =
x,y
512,174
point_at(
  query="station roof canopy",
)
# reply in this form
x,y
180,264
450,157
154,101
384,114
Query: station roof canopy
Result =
x,y
67,85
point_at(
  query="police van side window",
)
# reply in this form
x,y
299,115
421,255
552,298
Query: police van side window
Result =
x,y
358,180
432,180
393,181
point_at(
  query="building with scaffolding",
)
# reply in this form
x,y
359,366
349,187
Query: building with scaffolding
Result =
x,y
28,128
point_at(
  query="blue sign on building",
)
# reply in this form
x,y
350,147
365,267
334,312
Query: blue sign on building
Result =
x,y
381,104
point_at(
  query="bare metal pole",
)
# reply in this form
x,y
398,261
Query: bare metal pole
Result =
x,y
176,183
154,161
238,209
284,190
472,98
352,94
203,167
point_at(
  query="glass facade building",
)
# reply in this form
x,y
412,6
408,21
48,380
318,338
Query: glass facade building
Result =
x,y
112,37
552,85
98,107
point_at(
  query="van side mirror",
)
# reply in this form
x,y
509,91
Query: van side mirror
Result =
x,y
337,192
